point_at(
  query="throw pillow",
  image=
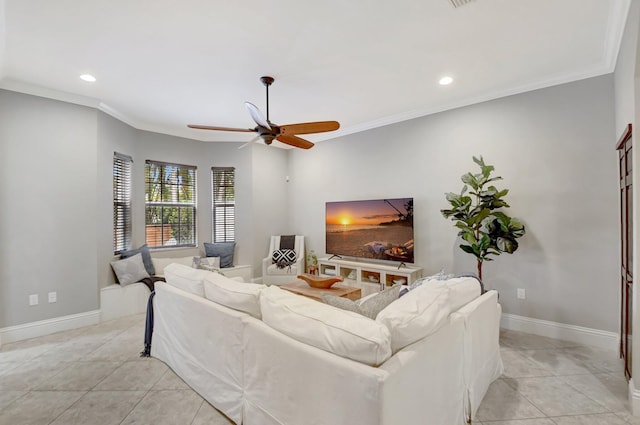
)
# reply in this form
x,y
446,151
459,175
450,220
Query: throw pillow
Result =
x,y
236,295
211,264
146,257
129,270
224,250
369,306
283,258
416,315
438,276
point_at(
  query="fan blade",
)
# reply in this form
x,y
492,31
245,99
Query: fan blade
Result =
x,y
309,127
294,141
255,139
209,127
257,115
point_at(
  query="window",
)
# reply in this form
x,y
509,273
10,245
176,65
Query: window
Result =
x,y
121,202
224,204
170,204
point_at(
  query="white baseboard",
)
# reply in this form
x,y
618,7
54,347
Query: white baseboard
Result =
x,y
577,334
634,398
49,326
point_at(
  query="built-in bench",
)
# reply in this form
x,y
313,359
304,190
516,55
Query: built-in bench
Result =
x,y
117,301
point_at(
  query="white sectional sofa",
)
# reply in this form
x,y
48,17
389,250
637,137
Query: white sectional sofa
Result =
x,y
118,301
264,356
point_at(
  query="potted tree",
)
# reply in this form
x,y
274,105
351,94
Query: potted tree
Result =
x,y
478,214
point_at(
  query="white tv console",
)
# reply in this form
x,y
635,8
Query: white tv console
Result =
x,y
369,277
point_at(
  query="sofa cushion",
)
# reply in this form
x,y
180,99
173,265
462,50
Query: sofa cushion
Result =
x,y
462,290
233,294
224,250
146,257
344,333
161,263
417,314
369,306
129,270
186,278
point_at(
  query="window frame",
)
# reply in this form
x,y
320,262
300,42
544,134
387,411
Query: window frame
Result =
x,y
122,202
223,206
174,187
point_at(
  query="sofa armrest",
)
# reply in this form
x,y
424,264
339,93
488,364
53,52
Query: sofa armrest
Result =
x,y
201,341
426,379
482,361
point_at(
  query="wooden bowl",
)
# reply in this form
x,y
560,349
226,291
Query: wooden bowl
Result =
x,y
322,282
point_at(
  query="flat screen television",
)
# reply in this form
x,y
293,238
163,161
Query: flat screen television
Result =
x,y
380,229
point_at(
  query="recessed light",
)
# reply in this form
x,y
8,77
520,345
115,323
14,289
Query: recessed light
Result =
x,y
88,78
444,81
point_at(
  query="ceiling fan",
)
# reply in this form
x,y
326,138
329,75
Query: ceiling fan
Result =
x,y
269,131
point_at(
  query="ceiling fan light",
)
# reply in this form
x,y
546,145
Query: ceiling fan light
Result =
x,y
88,78
445,81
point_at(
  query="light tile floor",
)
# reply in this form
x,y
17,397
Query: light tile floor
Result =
x,y
94,375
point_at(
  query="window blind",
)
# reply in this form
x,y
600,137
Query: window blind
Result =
x,y
170,204
223,205
122,165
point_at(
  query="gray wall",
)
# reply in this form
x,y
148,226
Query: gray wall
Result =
x,y
48,221
56,167
113,136
143,145
627,109
270,199
554,148
624,75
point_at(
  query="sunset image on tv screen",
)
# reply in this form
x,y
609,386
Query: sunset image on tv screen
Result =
x,y
380,229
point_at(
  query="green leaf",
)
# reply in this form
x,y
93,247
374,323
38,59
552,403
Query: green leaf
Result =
x,y
484,242
516,228
467,249
507,245
470,179
452,197
470,237
464,226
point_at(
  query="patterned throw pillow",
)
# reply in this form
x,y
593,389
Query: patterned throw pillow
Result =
x,y
370,306
438,276
211,264
283,258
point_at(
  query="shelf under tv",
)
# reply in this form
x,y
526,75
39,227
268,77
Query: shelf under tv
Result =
x,y
369,277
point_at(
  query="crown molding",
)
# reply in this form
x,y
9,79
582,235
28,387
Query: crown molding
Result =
x,y
34,90
616,23
190,134
596,71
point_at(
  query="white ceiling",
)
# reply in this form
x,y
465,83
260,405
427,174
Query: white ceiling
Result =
x,y
162,64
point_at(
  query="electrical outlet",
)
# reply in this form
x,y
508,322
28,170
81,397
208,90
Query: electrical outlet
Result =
x,y
53,297
521,294
33,299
